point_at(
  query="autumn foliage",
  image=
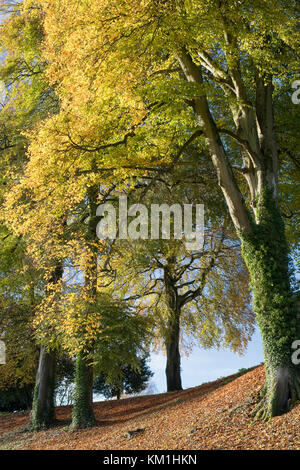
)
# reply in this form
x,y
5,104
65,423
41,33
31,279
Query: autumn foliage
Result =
x,y
160,101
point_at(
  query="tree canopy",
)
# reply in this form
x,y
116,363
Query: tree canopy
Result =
x,y
113,96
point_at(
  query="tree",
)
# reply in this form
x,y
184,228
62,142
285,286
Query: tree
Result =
x,y
183,295
157,76
43,406
213,67
182,290
83,414
134,380
29,100
113,328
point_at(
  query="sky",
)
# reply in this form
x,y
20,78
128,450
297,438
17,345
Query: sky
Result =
x,y
206,365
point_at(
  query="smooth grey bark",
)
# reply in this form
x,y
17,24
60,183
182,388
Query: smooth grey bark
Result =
x,y
43,406
172,336
173,373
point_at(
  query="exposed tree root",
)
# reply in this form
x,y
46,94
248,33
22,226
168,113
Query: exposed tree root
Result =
x,y
279,395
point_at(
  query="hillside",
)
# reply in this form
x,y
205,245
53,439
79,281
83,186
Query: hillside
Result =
x,y
212,416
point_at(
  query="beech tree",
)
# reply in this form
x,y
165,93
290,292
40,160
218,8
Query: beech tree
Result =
x,y
191,298
28,100
183,291
131,380
148,80
209,70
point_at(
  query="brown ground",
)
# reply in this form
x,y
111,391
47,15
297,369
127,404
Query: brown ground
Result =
x,y
212,416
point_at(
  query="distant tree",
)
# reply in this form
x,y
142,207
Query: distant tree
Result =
x,y
134,380
182,289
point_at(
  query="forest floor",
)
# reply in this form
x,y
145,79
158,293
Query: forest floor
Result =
x,y
216,415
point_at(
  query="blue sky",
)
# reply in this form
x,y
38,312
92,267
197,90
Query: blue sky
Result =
x,y
205,365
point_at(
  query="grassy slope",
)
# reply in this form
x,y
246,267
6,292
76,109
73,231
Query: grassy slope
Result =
x,y
212,416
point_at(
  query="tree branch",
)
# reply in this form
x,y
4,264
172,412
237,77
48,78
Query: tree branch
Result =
x,y
221,163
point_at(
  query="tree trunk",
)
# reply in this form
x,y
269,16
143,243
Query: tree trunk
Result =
x,y
83,414
172,334
43,408
173,374
265,252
